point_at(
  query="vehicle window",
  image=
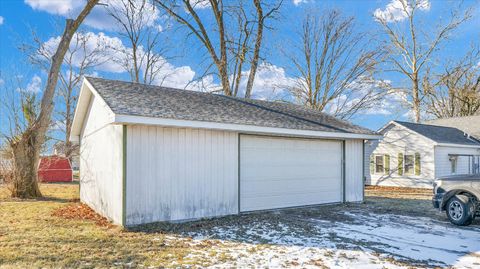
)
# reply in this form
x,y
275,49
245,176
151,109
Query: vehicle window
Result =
x,y
409,164
453,165
379,169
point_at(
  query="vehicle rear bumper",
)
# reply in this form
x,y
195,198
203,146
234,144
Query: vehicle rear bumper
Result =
x,y
437,200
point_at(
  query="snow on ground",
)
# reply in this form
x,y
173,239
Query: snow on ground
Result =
x,y
420,238
365,241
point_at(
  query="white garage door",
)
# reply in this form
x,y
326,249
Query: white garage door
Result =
x,y
286,172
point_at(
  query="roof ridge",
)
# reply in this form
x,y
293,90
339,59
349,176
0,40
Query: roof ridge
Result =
x,y
152,86
306,109
427,124
464,135
246,101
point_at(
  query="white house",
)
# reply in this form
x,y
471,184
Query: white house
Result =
x,y
150,153
413,155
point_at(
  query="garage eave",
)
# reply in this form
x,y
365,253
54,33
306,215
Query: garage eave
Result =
x,y
131,120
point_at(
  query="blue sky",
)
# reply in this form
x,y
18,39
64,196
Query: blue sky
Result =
x,y
18,18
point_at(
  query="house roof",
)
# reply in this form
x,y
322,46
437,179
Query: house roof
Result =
x,y
133,99
440,134
468,124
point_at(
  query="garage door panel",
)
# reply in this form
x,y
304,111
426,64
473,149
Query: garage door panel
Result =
x,y
295,159
285,172
306,168
304,158
288,174
253,190
286,200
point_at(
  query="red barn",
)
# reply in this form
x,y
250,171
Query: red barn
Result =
x,y
54,169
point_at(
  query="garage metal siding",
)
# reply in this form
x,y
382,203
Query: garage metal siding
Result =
x,y
101,163
284,172
178,174
354,170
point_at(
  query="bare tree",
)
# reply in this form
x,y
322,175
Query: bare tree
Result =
x,y
455,92
84,54
234,28
335,67
145,59
27,145
411,48
79,60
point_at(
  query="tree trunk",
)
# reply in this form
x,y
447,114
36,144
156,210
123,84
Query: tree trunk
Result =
x,y
416,100
222,70
25,162
256,51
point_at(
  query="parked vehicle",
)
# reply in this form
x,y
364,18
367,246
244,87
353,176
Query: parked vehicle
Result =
x,y
459,197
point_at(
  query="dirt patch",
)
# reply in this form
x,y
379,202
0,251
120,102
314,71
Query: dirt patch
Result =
x,y
398,192
79,211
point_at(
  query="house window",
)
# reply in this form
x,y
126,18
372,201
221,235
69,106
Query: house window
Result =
x,y
409,164
379,164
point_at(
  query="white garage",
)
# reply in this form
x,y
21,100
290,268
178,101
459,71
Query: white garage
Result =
x,y
151,154
286,172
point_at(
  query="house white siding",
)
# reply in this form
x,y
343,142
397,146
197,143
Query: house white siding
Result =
x,y
398,139
180,173
443,164
354,184
101,162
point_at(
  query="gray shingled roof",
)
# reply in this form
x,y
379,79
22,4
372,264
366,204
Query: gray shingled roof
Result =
x,y
440,134
127,98
468,124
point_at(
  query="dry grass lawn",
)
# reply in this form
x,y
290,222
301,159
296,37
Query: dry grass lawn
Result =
x,y
398,192
31,237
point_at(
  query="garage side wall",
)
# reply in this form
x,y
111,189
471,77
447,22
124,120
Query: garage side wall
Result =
x,y
179,174
101,163
354,170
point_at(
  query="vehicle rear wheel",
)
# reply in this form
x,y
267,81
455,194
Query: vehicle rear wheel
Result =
x,y
460,210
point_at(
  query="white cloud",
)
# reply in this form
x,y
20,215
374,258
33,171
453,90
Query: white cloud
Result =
x,y
175,77
115,54
398,10
99,17
270,82
35,84
1,20
200,4
392,103
298,2
57,7
374,97
2,82
205,84
107,46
